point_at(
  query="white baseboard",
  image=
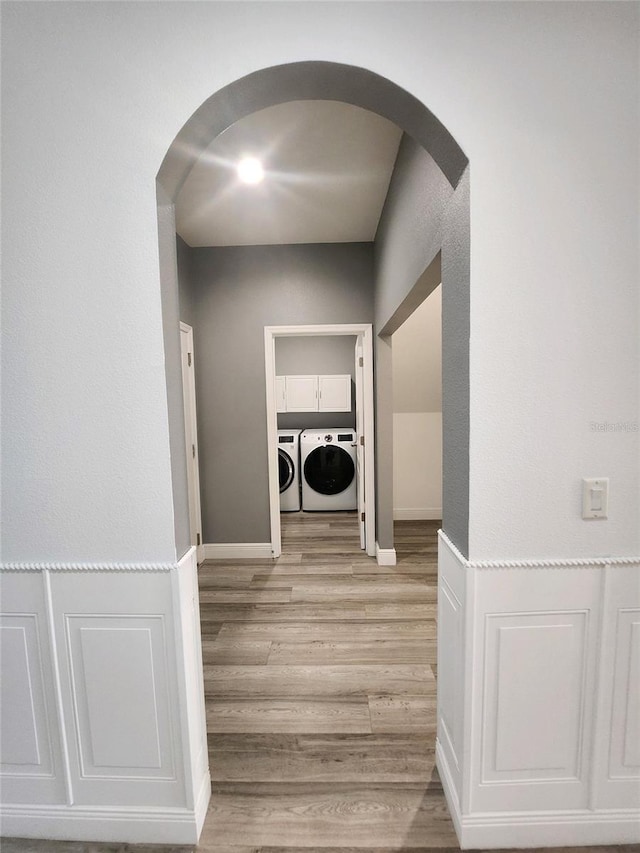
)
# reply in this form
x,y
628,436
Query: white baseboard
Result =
x,y
202,802
385,556
549,829
536,828
449,788
237,550
123,825
417,513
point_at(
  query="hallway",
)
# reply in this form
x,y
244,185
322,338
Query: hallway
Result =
x,y
320,683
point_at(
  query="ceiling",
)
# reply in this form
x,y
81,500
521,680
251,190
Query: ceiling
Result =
x,y
327,170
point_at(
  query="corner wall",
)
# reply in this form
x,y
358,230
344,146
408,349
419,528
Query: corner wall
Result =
x,y
424,215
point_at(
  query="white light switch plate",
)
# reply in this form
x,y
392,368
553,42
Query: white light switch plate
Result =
x,y
595,497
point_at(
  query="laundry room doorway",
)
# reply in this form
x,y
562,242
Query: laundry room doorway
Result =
x,y
362,447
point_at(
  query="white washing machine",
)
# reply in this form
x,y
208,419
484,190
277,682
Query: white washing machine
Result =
x,y
289,469
328,464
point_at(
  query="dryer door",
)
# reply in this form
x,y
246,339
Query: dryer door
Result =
x,y
286,469
329,470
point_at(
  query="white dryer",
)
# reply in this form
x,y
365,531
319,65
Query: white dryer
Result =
x,y
289,469
328,463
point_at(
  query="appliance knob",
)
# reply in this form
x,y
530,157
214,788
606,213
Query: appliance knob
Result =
x,y
328,438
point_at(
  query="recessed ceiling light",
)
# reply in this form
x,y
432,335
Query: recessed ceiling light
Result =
x,y
250,170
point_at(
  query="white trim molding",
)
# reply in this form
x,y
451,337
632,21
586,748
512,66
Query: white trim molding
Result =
x,y
364,332
536,828
540,562
510,643
133,825
385,556
237,550
43,566
82,771
418,513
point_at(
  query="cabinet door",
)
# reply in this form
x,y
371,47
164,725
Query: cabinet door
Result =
x,y
281,394
302,393
334,393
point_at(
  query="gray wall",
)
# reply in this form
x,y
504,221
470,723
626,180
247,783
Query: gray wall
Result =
x,y
185,288
173,373
334,354
236,292
422,213
456,330
410,231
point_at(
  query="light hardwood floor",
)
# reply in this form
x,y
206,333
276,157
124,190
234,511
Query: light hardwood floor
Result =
x,y
320,680
319,675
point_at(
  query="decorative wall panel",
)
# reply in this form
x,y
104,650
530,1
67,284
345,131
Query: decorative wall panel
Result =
x,y
18,730
624,760
120,697
449,680
534,693
119,662
118,656
31,765
617,742
98,721
534,669
452,593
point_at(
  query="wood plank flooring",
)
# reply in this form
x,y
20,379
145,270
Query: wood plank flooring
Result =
x,y
320,682
321,704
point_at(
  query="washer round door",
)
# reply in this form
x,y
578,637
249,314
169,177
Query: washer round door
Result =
x,y
329,470
286,469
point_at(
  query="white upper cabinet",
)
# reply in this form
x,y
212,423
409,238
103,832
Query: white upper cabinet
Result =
x,y
312,393
301,393
334,393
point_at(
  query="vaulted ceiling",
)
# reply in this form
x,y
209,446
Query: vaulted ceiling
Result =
x,y
327,169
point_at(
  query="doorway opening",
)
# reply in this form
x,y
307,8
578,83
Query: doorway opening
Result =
x,y
307,81
417,414
402,262
364,420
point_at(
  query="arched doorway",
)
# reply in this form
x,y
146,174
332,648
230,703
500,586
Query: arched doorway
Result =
x,y
404,274
362,88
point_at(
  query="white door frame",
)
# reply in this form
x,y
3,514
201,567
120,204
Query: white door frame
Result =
x,y
365,332
360,456
191,438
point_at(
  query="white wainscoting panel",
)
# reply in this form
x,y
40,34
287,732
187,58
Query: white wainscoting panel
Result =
x,y
625,752
452,594
192,706
18,731
538,700
116,683
30,755
534,670
117,650
617,782
102,670
536,648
